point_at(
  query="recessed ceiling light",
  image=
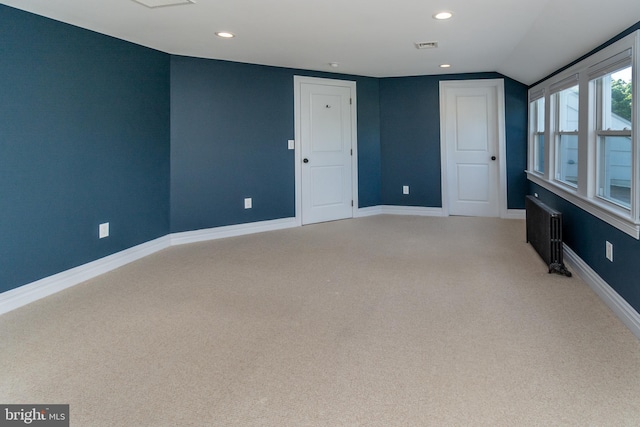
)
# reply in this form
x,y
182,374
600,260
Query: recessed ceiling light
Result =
x,y
442,15
334,64
445,65
225,34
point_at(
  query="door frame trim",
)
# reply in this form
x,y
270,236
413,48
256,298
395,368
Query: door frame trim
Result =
x,y
297,82
502,151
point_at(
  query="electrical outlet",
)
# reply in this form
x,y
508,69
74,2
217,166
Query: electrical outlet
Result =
x,y
248,203
405,189
609,251
291,144
103,230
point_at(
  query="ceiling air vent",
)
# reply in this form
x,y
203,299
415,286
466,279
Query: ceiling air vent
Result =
x,y
426,45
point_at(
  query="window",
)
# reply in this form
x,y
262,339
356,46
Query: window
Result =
x,y
583,145
613,128
566,135
536,109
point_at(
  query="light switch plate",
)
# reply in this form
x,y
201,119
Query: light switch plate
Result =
x,y
291,144
248,203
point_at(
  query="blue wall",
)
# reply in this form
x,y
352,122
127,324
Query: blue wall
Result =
x,y
410,139
516,123
84,139
230,123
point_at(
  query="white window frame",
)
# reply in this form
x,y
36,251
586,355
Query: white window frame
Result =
x,y
585,195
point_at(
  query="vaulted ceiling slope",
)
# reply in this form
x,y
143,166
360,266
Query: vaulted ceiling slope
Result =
x,y
523,39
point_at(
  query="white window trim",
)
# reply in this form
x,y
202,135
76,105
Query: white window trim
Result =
x,y
585,195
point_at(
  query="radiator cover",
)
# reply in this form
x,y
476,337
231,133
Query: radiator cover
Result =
x,y
544,232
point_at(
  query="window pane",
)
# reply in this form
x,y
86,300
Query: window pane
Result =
x,y
536,109
616,100
614,169
567,159
568,109
539,152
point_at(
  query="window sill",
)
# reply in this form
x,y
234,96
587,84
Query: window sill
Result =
x,y
617,218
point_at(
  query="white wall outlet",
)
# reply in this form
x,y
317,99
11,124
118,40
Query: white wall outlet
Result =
x,y
405,189
248,204
103,230
609,251
291,144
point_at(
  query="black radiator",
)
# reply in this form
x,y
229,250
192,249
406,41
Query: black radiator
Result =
x,y
544,232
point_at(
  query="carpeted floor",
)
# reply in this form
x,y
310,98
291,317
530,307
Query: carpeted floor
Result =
x,y
379,321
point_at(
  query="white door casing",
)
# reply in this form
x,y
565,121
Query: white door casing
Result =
x,y
325,149
473,154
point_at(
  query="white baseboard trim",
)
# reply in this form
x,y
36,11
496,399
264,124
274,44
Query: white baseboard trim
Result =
x,y
411,210
15,298
621,308
231,231
23,295
516,214
422,211
368,211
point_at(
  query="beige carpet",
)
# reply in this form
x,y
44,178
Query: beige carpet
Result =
x,y
380,321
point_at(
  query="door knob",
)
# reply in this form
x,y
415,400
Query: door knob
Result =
x,y
493,157
305,160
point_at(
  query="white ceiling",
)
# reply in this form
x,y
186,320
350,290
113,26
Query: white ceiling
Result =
x,y
522,39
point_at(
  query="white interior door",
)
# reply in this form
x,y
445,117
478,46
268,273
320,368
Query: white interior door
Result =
x,y
472,148
325,145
